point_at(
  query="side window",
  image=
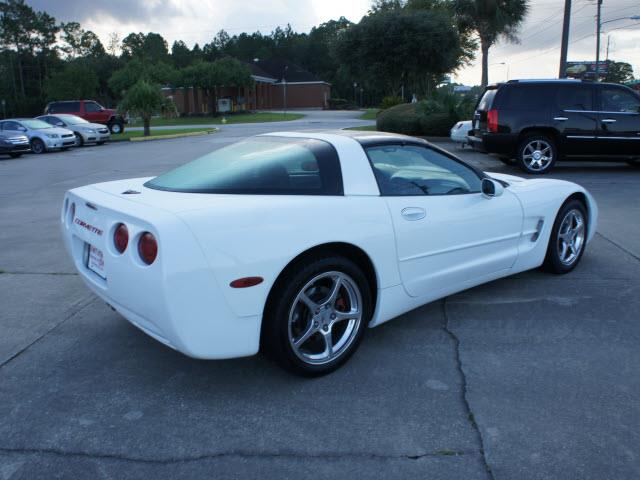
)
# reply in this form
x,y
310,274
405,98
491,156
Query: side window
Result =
x,y
92,107
615,99
414,170
524,97
13,126
574,97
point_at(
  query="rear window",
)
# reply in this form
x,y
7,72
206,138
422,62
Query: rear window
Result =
x,y
64,107
487,99
261,166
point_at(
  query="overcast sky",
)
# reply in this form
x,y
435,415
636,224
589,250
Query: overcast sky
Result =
x,y
194,21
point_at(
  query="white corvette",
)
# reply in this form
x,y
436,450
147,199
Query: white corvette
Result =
x,y
296,242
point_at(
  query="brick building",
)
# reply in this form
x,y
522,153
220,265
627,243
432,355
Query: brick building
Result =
x,y
274,80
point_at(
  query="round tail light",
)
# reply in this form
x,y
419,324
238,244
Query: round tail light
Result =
x,y
148,248
121,237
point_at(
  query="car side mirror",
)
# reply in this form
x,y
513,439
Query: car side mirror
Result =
x,y
491,188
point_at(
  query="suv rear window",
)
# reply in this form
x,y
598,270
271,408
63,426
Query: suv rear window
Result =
x,y
487,99
64,107
260,166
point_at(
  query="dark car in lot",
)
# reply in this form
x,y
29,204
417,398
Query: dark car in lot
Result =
x,y
540,122
14,145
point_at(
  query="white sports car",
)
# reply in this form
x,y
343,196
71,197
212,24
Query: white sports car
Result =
x,y
296,242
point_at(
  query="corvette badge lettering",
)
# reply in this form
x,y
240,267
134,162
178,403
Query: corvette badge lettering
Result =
x,y
91,228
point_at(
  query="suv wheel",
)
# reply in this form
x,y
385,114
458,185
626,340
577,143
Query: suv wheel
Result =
x,y
537,153
116,127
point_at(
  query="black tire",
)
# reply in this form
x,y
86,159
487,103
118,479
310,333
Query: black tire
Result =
x,y
116,127
79,140
277,338
15,155
553,261
37,146
544,145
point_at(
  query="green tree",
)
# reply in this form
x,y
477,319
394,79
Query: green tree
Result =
x,y
136,70
151,47
180,54
619,72
75,81
490,20
209,76
144,99
79,42
397,47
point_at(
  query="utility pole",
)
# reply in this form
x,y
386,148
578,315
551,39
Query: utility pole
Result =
x,y
598,40
565,39
608,43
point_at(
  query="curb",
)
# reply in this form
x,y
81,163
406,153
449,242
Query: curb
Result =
x,y
173,135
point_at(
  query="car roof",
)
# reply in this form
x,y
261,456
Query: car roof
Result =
x,y
365,138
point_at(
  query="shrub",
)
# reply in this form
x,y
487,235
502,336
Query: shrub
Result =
x,y
402,118
390,101
437,124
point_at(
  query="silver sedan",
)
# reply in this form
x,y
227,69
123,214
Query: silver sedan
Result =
x,y
84,131
42,136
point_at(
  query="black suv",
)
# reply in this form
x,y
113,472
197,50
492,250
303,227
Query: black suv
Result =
x,y
541,121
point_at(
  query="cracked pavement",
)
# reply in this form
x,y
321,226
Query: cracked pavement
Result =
x,y
529,377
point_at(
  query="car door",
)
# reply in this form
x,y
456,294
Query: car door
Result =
x,y
575,118
92,112
448,235
619,118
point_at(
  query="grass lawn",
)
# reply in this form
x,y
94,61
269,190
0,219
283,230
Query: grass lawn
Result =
x,y
366,128
370,114
233,118
157,133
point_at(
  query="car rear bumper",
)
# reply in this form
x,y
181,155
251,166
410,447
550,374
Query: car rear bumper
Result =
x,y
501,143
177,299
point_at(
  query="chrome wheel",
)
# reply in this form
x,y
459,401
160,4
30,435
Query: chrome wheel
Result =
x,y
537,155
571,237
325,317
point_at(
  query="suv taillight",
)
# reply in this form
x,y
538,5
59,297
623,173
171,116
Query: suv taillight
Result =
x,y
492,120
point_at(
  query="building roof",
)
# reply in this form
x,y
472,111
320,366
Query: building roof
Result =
x,y
279,68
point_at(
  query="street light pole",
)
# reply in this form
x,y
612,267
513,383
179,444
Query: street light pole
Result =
x,y
284,90
599,20
565,39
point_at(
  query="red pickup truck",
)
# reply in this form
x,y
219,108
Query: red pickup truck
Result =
x,y
91,111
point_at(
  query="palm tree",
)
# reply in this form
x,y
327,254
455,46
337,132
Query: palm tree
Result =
x,y
490,20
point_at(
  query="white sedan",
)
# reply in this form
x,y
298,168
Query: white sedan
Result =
x,y
294,243
460,132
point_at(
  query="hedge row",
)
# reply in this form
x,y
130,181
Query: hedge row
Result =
x,y
414,119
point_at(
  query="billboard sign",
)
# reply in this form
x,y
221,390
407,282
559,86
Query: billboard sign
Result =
x,y
586,69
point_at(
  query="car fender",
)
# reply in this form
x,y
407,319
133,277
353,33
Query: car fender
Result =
x,y
260,236
541,199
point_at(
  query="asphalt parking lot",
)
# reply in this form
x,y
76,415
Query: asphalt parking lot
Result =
x,y
529,377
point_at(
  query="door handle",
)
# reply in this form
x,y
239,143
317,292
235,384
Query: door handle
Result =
x,y
608,120
560,119
413,213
